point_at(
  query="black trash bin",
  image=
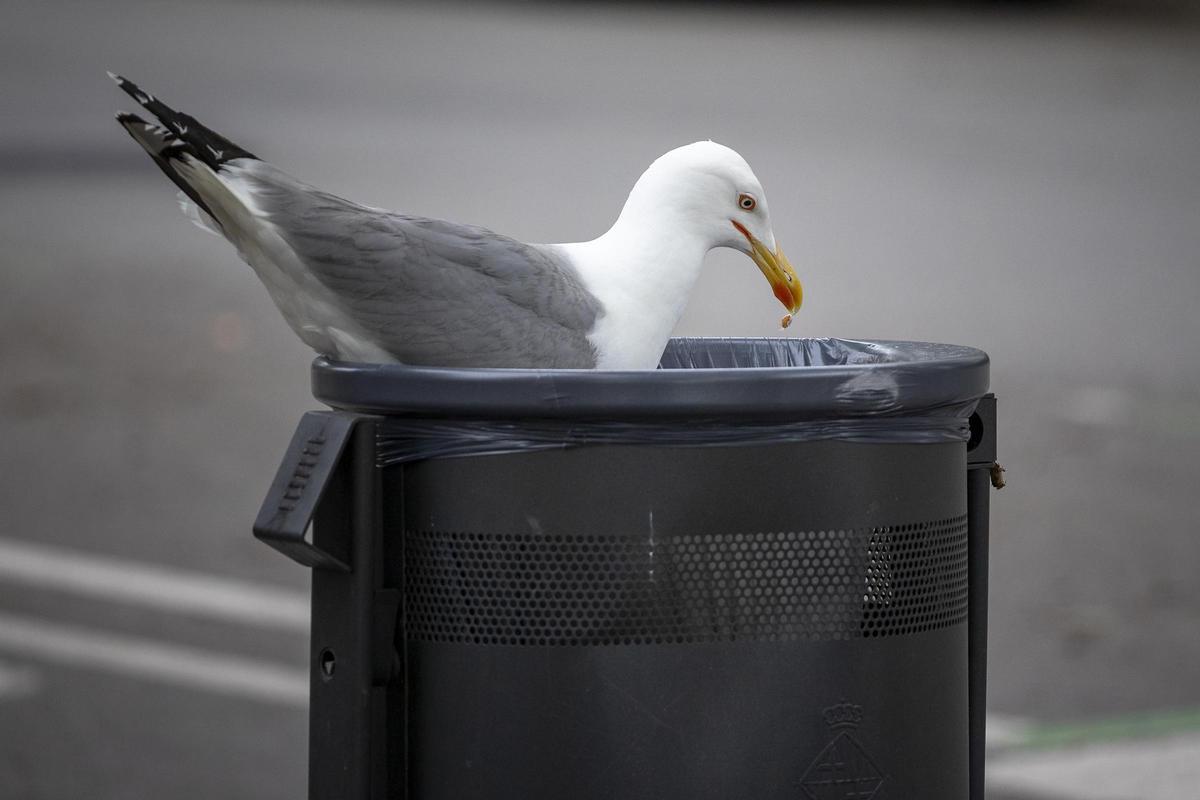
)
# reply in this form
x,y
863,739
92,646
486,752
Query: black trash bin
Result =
x,y
757,572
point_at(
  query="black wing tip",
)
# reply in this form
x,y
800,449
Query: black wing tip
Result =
x,y
126,119
207,145
130,88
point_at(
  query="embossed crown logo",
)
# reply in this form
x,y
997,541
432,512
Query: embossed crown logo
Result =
x,y
843,715
842,770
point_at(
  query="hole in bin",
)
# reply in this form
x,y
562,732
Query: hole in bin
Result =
x,y
976,432
328,663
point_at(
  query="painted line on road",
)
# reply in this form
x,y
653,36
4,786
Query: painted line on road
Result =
x,y
144,658
199,594
161,588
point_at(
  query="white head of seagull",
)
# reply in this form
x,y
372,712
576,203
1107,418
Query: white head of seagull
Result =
x,y
691,200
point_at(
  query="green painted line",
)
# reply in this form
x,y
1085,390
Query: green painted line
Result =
x,y
1133,726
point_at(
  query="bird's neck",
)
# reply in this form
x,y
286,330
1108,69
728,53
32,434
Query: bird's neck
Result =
x,y
643,272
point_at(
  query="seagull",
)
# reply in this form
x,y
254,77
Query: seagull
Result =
x,y
364,284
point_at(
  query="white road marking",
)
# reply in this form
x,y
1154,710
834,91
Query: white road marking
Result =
x,y
144,658
1147,768
158,587
194,593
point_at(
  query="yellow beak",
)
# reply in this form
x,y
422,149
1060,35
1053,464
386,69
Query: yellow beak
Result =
x,y
778,271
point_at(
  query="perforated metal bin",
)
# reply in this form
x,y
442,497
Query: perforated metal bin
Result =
x,y
758,572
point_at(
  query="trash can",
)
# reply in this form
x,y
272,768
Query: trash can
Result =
x,y
756,572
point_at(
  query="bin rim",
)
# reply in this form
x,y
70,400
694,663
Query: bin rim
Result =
x,y
889,377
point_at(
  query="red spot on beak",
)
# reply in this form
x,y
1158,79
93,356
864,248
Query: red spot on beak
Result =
x,y
783,294
742,230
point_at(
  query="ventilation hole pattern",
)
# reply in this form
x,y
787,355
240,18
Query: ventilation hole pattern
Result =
x,y
552,590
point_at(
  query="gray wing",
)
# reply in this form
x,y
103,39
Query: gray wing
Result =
x,y
433,292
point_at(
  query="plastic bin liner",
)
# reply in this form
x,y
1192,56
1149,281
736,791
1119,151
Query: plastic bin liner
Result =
x,y
707,392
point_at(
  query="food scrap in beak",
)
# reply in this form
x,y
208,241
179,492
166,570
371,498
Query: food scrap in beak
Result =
x,y
778,271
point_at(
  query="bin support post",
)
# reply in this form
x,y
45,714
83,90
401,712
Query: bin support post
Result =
x,y
981,455
350,665
329,478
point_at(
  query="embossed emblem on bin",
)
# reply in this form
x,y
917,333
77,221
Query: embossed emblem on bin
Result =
x,y
843,770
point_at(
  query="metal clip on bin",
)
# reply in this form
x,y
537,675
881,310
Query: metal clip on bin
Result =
x,y
757,572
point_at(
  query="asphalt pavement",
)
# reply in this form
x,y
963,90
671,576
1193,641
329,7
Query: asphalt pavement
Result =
x,y
1025,183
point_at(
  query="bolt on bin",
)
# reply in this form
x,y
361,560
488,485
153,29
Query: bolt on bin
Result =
x,y
756,572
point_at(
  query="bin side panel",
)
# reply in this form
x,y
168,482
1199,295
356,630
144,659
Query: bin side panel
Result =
x,y
780,621
771,721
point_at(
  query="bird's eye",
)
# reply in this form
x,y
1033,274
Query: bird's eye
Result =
x,y
747,202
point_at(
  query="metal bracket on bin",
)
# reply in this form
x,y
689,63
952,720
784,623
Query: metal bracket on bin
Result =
x,y
981,457
307,470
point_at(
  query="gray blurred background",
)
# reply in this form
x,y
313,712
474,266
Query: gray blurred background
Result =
x,y
1024,179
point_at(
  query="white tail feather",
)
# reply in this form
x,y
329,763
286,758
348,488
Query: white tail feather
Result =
x,y
197,215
